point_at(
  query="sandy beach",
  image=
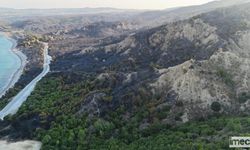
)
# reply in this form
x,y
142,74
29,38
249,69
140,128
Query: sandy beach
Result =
x,y
23,59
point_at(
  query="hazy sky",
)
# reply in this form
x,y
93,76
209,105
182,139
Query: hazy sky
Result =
x,y
131,4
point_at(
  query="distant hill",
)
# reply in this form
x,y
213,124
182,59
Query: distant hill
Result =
x,y
141,17
12,14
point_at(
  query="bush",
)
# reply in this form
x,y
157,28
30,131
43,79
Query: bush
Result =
x,y
226,77
244,97
216,106
179,104
108,98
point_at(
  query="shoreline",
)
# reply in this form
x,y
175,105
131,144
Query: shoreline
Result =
x,y
23,60
12,107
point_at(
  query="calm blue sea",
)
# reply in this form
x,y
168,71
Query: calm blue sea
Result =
x,y
9,62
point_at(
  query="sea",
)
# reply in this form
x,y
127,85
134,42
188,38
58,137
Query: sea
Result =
x,y
9,63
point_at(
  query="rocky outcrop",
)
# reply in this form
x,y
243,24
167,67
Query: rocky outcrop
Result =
x,y
223,78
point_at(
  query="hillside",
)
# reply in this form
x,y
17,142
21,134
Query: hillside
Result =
x,y
192,62
117,85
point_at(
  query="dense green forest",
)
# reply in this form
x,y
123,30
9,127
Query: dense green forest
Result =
x,y
51,115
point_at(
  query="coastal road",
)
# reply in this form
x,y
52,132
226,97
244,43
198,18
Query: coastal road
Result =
x,y
13,106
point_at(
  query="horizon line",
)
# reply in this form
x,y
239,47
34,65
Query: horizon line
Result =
x,y
114,8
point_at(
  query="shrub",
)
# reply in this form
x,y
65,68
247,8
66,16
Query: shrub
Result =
x,y
108,98
178,116
179,103
244,97
216,106
226,77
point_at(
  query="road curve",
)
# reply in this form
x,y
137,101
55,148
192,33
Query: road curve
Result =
x,y
13,106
